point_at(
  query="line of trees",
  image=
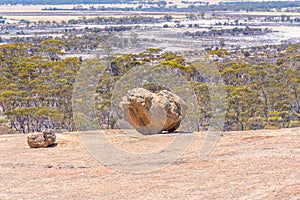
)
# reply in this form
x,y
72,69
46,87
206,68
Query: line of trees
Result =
x,y
258,95
36,85
263,95
133,19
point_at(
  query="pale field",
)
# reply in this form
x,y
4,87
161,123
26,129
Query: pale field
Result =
x,y
26,12
266,13
38,8
8,11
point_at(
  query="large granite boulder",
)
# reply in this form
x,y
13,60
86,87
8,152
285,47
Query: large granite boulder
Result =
x,y
151,113
40,140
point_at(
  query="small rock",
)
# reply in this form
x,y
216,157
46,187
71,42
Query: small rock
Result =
x,y
83,167
39,140
48,166
68,167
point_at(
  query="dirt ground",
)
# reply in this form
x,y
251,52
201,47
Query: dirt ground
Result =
x,y
242,165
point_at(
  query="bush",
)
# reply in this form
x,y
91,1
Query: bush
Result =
x,y
6,130
271,127
294,124
255,123
2,120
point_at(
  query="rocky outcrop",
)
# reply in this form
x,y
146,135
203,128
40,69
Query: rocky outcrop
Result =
x,y
152,113
39,140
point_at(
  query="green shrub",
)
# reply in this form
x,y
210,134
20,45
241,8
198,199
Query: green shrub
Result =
x,y
271,127
2,120
255,123
294,124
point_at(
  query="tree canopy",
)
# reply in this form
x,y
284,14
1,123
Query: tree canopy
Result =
x,y
36,84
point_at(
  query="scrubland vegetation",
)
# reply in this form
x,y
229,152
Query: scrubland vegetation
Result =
x,y
39,62
37,82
